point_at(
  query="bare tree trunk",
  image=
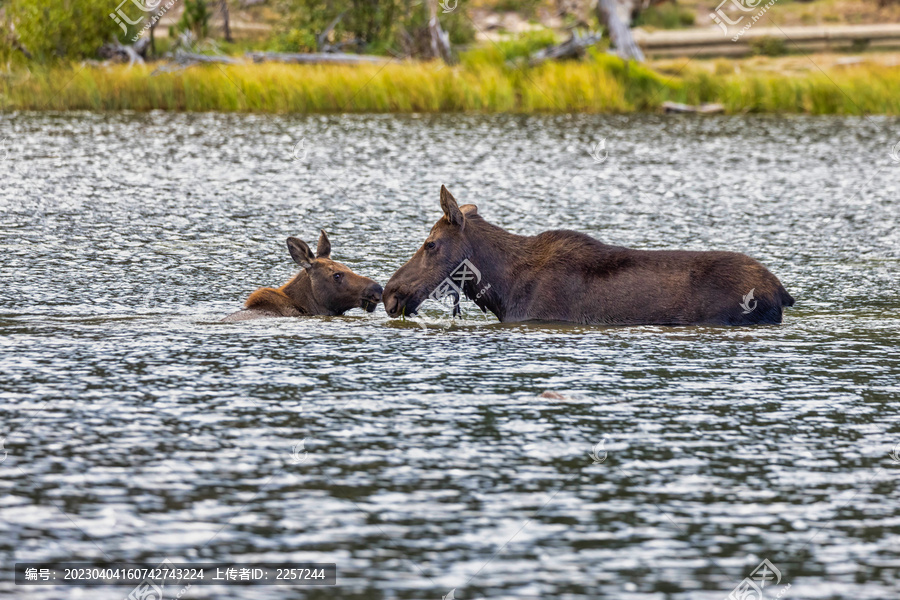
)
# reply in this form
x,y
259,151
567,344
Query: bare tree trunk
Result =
x,y
440,40
153,38
226,25
616,17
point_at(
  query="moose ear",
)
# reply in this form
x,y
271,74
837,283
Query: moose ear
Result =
x,y
451,209
323,249
300,252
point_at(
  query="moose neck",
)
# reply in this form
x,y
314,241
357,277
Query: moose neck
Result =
x,y
299,290
495,253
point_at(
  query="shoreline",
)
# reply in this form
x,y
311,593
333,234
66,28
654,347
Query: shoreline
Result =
x,y
598,84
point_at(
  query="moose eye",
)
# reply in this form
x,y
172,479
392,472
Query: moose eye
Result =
x,y
337,277
430,245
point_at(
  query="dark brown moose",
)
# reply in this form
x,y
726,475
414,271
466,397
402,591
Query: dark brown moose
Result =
x,y
323,287
569,276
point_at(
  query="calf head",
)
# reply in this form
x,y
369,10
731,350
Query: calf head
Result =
x,y
443,251
333,286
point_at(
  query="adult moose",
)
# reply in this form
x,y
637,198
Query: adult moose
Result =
x,y
323,287
569,276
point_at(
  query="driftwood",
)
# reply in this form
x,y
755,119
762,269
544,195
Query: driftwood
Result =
x,y
574,47
707,109
617,24
189,58
116,51
316,59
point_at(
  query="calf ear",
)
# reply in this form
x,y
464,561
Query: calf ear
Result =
x,y
451,209
323,249
300,252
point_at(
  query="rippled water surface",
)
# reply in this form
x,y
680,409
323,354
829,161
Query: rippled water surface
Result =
x,y
137,427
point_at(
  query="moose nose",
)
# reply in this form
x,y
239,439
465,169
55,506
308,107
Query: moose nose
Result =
x,y
374,292
392,304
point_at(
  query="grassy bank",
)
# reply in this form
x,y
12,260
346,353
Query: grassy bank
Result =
x,y
598,84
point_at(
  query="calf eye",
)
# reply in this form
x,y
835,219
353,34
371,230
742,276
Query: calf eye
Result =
x,y
430,245
337,277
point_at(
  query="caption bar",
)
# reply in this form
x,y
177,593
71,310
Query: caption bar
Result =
x,y
169,573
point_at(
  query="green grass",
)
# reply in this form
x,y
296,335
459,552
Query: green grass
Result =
x,y
665,16
483,82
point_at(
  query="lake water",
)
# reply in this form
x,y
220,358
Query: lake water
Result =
x,y
137,427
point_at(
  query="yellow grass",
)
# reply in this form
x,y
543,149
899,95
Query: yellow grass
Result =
x,y
598,84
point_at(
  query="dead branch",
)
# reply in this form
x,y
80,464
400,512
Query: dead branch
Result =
x,y
323,37
574,47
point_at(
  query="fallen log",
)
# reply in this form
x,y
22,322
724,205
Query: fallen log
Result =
x,y
711,42
188,58
317,59
706,109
